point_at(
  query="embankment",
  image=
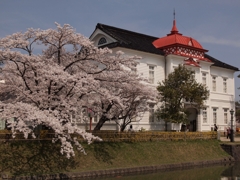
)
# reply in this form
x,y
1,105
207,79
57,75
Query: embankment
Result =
x,y
104,158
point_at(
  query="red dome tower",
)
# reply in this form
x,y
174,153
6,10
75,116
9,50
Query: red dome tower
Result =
x,y
176,43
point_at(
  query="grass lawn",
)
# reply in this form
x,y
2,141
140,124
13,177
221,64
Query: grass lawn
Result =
x,y
123,155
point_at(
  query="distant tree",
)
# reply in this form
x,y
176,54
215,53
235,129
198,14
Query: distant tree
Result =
x,y
237,104
134,98
237,111
137,98
65,73
179,88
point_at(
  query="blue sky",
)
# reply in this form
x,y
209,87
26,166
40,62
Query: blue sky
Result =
x,y
215,24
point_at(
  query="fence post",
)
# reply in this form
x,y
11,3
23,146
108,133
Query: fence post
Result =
x,y
218,135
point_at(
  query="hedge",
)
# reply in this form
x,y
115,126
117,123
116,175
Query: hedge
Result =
x,y
154,136
113,136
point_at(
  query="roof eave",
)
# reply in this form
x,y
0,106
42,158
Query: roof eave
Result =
x,y
183,45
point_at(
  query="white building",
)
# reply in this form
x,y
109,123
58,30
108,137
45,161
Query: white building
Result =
x,y
159,58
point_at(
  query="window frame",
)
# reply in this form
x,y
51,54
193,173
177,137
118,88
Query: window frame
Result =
x,y
214,83
151,112
204,114
225,115
214,115
151,71
102,41
224,85
204,78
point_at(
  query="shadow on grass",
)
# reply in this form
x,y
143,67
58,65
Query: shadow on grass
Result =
x,y
33,158
102,151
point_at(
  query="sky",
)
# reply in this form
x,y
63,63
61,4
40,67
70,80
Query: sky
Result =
x,y
215,24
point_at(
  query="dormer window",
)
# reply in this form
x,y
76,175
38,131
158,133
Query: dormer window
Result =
x,y
102,41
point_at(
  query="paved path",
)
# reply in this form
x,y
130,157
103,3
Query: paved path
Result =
x,y
224,139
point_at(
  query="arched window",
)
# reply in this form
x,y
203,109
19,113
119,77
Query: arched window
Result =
x,y
102,41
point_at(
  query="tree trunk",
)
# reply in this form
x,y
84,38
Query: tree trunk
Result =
x,y
103,119
123,126
100,123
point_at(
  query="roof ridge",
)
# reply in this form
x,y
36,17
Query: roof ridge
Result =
x,y
99,25
220,63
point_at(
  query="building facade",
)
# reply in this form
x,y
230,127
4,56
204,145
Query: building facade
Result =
x,y
159,58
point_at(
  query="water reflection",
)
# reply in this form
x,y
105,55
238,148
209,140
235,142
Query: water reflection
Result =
x,y
219,172
232,171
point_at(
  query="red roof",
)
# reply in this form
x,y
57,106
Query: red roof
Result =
x,y
191,62
175,38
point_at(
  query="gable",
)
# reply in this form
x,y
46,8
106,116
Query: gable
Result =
x,y
126,39
99,36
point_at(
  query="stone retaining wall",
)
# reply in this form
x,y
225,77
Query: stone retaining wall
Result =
x,y
233,150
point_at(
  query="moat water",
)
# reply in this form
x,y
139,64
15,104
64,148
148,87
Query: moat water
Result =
x,y
219,172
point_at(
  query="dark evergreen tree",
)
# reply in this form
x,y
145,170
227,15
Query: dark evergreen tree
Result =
x,y
179,89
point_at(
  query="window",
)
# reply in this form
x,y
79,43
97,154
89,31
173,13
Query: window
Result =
x,y
225,85
102,41
76,116
213,83
134,70
73,117
2,124
151,113
151,74
204,113
204,78
214,115
225,116
95,118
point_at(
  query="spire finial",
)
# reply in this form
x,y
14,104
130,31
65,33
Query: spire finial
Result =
x,y
174,28
174,14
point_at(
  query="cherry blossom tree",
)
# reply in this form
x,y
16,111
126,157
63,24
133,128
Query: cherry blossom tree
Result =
x,y
137,99
49,74
135,96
